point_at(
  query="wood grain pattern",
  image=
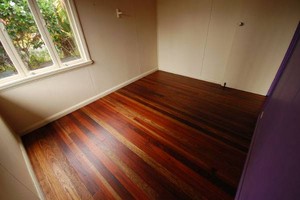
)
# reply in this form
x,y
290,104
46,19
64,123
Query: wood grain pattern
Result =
x,y
162,137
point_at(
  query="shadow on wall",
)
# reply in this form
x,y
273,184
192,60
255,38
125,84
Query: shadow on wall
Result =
x,y
16,115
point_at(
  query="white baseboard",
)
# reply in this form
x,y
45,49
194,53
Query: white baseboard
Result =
x,y
81,104
198,78
30,170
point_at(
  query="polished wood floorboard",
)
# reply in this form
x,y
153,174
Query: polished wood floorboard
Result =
x,y
163,137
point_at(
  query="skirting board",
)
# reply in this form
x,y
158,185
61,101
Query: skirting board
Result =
x,y
82,104
199,78
30,170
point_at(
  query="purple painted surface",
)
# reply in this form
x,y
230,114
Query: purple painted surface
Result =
x,y
285,60
272,171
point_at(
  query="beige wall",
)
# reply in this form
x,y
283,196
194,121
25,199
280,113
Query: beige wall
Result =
x,y
122,49
202,39
196,38
182,30
259,46
221,32
15,180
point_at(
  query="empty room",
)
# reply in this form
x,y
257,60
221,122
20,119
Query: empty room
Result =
x,y
149,99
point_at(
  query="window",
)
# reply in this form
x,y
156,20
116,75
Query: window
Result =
x,y
39,37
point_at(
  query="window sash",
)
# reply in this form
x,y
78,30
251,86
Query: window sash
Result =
x,y
12,54
38,18
76,26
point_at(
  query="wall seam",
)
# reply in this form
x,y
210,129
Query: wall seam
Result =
x,y
206,38
137,37
17,179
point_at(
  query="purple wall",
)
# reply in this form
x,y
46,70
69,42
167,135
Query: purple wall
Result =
x,y
285,60
272,170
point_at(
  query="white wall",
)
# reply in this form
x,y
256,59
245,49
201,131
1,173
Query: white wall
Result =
x,y
202,39
259,46
15,180
196,38
182,31
221,32
122,49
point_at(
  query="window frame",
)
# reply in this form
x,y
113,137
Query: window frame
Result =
x,y
12,54
58,66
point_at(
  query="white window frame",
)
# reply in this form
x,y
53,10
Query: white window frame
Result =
x,y
13,55
24,74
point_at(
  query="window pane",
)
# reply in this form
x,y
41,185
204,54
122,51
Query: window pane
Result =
x,y
21,27
58,24
6,66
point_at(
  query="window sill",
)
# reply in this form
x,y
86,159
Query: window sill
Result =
x,y
42,75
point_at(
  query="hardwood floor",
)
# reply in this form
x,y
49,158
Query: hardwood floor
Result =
x,y
162,137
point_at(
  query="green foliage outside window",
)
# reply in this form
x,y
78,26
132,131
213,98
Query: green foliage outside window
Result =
x,y
58,25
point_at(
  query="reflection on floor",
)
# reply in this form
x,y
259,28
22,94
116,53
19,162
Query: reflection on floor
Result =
x,y
162,137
